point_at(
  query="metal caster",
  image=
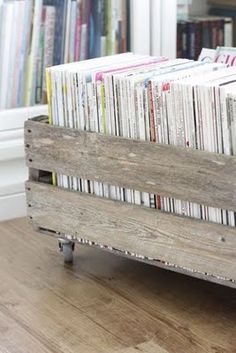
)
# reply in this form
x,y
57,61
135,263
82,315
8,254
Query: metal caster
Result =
x,y
67,248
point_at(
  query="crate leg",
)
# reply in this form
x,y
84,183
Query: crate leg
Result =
x,y
67,248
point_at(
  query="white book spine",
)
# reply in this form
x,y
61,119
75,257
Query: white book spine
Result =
x,y
228,32
67,32
103,46
83,42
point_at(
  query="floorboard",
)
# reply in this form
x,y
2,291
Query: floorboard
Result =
x,y
104,303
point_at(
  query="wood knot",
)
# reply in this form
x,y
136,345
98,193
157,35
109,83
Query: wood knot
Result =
x,y
132,154
150,183
219,163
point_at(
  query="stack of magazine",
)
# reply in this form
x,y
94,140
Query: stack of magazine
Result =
x,y
179,102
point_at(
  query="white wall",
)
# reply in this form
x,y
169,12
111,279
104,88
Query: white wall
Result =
x,y
13,171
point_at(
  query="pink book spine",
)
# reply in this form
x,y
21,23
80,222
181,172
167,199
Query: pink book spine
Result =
x,y
99,75
78,33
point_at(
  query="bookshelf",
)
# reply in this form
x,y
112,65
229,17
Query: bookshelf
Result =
x,y
204,24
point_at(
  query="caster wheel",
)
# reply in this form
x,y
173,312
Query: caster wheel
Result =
x,y
67,250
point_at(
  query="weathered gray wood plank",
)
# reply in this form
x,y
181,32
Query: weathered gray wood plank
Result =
x,y
182,173
153,262
188,243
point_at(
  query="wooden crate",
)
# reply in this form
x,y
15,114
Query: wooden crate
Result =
x,y
194,247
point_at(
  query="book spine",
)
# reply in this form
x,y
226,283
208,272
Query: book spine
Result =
x,y
191,40
103,28
124,27
233,125
206,43
49,94
228,32
39,60
50,20
184,40
78,31
18,63
67,32
151,113
221,33
24,52
61,10
179,39
73,20
198,35
95,29
84,48
83,42
214,26
113,26
108,24
32,57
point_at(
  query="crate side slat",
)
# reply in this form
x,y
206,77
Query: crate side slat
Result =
x,y
188,243
153,262
181,173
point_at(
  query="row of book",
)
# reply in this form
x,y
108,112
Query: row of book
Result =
x,y
203,32
226,8
179,102
35,34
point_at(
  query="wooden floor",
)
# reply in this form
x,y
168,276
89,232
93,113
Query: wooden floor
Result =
x,y
103,303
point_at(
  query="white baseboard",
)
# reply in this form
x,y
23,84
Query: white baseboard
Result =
x,y
12,189
12,176
12,206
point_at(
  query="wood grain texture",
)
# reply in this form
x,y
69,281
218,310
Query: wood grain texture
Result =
x,y
192,244
186,174
103,303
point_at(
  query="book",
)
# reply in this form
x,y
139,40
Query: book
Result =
x,y
202,32
31,63
226,55
227,13
61,11
207,55
48,49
